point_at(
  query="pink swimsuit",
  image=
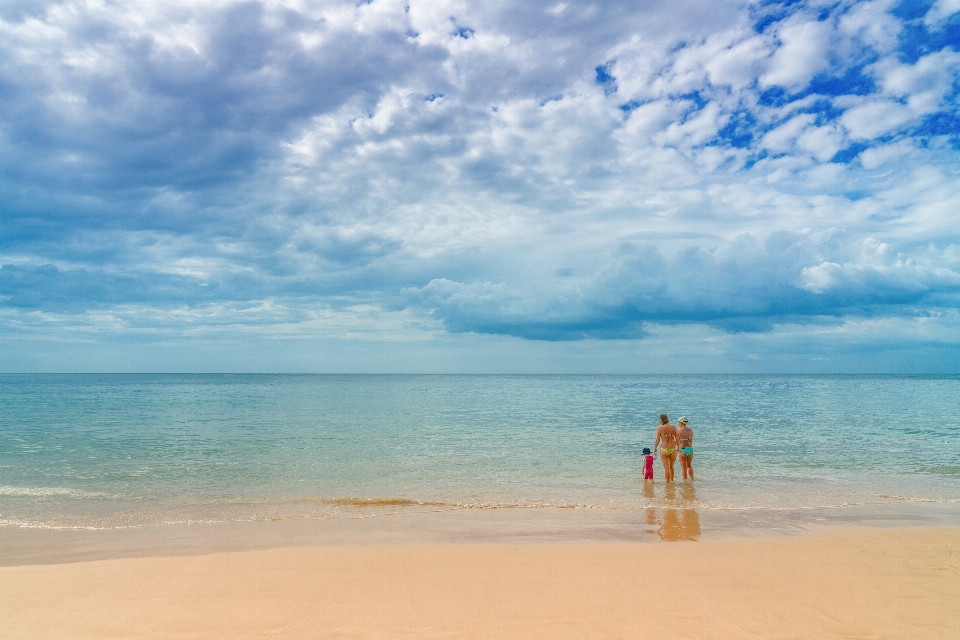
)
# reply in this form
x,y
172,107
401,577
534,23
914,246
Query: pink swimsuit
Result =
x,y
648,468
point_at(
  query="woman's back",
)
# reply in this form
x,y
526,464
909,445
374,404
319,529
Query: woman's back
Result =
x,y
667,439
668,435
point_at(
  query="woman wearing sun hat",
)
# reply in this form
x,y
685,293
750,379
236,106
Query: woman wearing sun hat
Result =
x,y
686,447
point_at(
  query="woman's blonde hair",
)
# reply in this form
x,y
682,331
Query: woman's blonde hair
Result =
x,y
664,419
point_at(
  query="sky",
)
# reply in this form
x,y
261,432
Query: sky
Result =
x,y
480,187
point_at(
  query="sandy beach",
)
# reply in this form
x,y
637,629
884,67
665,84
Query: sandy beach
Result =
x,y
851,583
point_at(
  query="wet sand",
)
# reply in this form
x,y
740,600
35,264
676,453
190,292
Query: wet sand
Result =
x,y
864,583
20,546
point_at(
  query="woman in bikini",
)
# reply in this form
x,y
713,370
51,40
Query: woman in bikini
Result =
x,y
667,433
686,448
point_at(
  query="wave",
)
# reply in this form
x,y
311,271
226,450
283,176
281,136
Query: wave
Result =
x,y
398,502
49,492
347,502
949,469
379,503
356,508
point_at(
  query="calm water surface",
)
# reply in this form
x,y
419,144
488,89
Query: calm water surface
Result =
x,y
128,450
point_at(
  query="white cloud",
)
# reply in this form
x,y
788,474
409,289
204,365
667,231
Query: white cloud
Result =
x,y
701,126
737,64
870,23
940,12
923,84
821,142
878,266
804,51
886,154
511,164
875,118
783,137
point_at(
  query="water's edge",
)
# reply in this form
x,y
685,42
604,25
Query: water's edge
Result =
x,y
32,546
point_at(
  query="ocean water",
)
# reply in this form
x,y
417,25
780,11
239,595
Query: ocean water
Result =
x,y
112,451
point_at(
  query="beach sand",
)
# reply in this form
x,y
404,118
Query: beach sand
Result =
x,y
851,583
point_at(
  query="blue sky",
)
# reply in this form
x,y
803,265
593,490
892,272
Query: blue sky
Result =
x,y
452,186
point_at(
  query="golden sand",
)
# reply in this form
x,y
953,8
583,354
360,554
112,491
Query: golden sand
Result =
x,y
846,584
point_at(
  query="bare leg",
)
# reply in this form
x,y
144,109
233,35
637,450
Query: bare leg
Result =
x,y
686,465
668,461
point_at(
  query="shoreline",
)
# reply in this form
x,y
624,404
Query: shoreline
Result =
x,y
21,546
854,582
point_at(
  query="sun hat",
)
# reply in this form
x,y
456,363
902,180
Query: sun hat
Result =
x,y
646,450
682,420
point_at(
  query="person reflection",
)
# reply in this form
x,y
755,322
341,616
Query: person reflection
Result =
x,y
689,518
674,524
648,491
670,492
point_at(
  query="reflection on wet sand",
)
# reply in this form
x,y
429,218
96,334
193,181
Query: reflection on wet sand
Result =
x,y
674,524
648,491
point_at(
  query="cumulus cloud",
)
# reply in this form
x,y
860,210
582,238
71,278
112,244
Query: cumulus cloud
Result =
x,y
746,284
879,271
940,12
803,52
550,171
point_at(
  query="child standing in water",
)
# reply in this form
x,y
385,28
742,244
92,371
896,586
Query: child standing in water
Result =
x,y
647,464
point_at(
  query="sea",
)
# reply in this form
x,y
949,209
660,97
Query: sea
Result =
x,y
119,451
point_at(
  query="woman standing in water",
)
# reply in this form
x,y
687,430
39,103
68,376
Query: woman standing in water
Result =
x,y
667,433
685,434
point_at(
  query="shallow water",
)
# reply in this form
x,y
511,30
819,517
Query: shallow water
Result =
x,y
129,450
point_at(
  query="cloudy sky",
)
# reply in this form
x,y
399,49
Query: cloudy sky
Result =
x,y
500,186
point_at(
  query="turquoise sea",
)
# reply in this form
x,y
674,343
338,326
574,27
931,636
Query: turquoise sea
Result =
x,y
109,451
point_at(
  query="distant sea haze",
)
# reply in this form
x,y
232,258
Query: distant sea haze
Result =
x,y
108,451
